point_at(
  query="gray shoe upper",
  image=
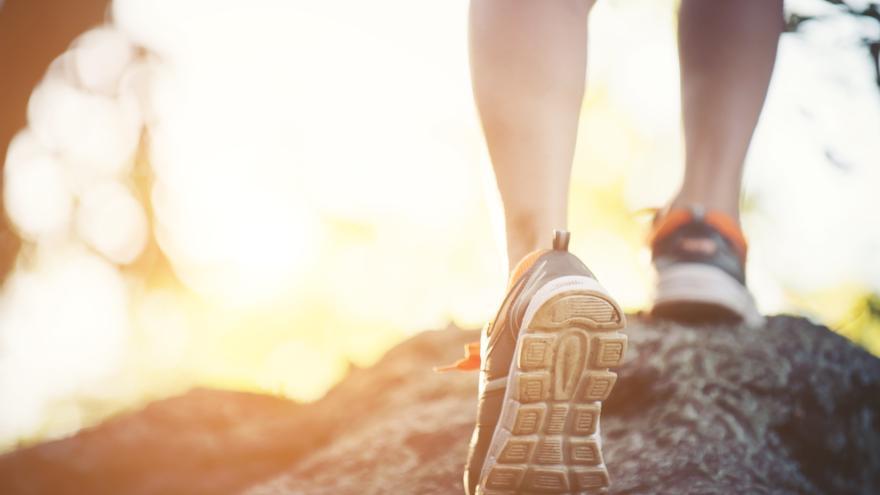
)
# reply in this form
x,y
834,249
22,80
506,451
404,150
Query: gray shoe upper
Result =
x,y
699,242
502,335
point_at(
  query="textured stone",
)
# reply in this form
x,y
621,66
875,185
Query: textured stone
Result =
x,y
788,408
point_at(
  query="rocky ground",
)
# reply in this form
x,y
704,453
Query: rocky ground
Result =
x,y
788,408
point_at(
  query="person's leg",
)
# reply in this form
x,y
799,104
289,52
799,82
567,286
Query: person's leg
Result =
x,y
528,60
727,49
528,63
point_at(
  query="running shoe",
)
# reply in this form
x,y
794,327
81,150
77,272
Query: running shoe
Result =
x,y
544,372
700,256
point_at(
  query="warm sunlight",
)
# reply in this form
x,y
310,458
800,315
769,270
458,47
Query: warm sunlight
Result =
x,y
316,189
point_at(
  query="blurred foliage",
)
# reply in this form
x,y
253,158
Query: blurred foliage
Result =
x,y
871,12
861,324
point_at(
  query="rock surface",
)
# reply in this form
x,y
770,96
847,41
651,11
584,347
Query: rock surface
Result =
x,y
788,408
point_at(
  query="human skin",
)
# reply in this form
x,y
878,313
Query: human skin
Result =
x,y
528,65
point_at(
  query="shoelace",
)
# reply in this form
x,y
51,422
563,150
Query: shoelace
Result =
x,y
470,362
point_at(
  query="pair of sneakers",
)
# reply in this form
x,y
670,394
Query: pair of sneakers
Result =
x,y
545,358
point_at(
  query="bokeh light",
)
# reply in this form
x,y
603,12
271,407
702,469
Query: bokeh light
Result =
x,y
37,195
64,327
110,220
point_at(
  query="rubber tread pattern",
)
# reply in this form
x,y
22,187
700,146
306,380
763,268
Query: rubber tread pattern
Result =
x,y
560,376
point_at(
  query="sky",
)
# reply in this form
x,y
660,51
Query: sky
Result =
x,y
260,195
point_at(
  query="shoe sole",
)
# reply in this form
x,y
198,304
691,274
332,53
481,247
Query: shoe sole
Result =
x,y
548,438
696,292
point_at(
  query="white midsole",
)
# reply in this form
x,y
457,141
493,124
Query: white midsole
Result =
x,y
699,282
506,417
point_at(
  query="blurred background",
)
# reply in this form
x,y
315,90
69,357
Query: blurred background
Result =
x,y
259,195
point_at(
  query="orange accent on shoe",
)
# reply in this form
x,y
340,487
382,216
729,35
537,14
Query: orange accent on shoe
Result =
x,y
676,217
667,223
523,265
470,361
729,228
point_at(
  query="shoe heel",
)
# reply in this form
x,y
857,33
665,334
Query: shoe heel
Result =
x,y
550,441
695,292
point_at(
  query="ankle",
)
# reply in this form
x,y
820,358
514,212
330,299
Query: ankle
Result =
x,y
526,234
728,207
517,251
